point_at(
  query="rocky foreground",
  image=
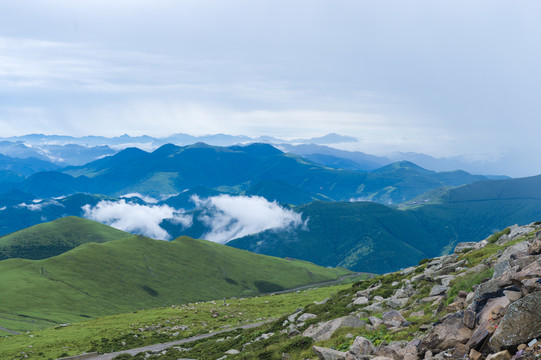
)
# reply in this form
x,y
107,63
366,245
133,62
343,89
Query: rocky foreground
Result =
x,y
499,319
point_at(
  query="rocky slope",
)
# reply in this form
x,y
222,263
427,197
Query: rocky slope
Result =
x,y
482,302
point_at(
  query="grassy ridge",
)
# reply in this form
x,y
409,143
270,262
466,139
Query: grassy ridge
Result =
x,y
137,272
53,238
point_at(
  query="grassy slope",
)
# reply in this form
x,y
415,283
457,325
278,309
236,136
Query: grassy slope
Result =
x,y
55,237
78,338
137,272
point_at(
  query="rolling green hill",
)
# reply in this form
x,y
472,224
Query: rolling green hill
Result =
x,y
136,272
56,237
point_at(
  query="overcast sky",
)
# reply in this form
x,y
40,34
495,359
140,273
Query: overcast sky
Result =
x,y
438,77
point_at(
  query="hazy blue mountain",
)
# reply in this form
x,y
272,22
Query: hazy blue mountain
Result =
x,y
237,170
329,156
25,167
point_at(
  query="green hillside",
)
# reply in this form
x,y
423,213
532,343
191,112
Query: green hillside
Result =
x,y
361,236
53,238
375,238
136,272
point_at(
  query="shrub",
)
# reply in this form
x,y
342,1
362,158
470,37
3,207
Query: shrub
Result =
x,y
495,237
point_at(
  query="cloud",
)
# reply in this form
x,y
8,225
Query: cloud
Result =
x,y
135,218
231,217
147,199
39,204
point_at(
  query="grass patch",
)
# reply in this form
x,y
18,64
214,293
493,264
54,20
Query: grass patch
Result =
x,y
147,327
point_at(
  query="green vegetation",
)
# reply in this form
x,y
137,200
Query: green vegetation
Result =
x,y
55,237
495,237
97,279
169,323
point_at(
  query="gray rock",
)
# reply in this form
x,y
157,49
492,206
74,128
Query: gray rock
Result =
x,y
418,277
513,295
408,271
375,321
306,316
232,352
487,287
469,319
521,323
501,267
446,335
397,303
328,354
445,280
461,246
293,316
438,290
362,346
393,318
361,300
324,330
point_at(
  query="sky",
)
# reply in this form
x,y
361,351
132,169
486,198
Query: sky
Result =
x,y
444,78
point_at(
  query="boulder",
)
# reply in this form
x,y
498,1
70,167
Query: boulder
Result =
x,y
387,352
461,246
535,247
375,321
521,323
446,335
324,330
392,318
460,352
469,319
361,300
502,355
438,290
328,354
362,346
306,316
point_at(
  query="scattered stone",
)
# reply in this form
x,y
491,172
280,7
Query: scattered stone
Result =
x,y
502,355
362,346
306,316
408,271
469,319
521,322
232,352
461,350
328,354
446,334
461,246
375,321
512,295
392,318
438,290
475,355
535,247
324,330
361,300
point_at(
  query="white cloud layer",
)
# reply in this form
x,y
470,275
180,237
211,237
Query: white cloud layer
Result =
x,y
135,218
231,217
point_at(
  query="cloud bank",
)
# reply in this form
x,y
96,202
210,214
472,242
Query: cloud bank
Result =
x,y
136,218
231,217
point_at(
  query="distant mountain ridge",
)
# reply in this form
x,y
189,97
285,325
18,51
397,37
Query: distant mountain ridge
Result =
x,y
173,169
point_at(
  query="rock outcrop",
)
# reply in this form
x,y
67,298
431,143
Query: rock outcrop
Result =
x,y
499,318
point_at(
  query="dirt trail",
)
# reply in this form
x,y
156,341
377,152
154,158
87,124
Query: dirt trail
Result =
x,y
9,331
163,346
